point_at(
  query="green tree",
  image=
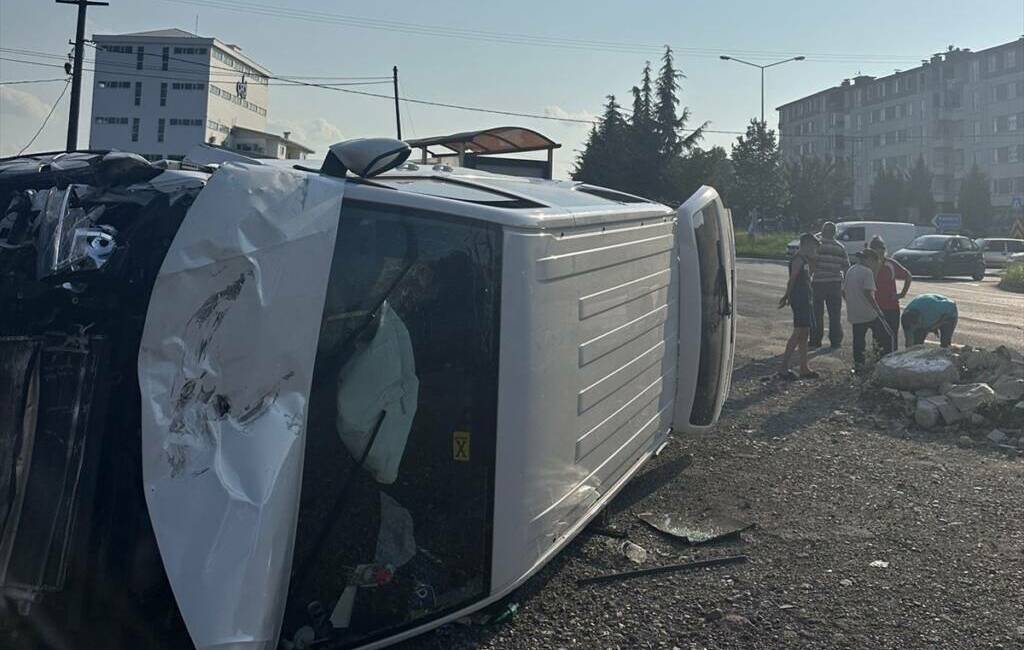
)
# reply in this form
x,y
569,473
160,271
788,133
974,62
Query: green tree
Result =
x,y
919,192
889,195
818,189
974,202
668,120
608,145
704,167
759,181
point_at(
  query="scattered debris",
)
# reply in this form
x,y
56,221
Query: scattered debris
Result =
x,y
968,397
634,552
846,582
669,568
879,564
717,528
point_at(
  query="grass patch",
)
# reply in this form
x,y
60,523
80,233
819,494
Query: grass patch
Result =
x,y
1013,278
770,246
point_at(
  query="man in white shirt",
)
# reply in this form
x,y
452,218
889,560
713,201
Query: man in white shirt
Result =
x,y
861,309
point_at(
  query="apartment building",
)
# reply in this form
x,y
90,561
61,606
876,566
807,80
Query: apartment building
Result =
x,y
159,93
957,109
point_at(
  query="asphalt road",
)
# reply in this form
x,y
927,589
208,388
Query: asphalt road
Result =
x,y
988,316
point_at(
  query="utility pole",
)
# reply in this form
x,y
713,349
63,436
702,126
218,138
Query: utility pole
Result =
x,y
398,117
76,75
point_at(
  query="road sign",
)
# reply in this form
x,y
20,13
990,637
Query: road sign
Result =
x,y
1017,231
1017,203
948,222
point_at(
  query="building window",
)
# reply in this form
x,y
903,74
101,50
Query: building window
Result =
x,y
993,61
118,49
188,85
160,130
164,58
135,129
114,85
138,93
185,121
190,50
110,120
1011,58
138,57
1000,92
163,93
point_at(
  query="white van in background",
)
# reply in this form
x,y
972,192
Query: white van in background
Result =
x,y
855,235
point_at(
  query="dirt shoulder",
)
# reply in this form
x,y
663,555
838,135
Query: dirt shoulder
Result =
x,y
831,491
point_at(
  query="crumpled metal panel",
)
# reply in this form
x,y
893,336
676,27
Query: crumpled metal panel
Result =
x,y
225,370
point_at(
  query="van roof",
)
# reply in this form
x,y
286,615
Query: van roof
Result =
x,y
509,200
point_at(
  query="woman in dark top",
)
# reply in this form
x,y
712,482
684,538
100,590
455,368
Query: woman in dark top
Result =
x,y
798,297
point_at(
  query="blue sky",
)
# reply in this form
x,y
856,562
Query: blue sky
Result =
x,y
839,39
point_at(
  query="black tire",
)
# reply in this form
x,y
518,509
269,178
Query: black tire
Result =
x,y
979,276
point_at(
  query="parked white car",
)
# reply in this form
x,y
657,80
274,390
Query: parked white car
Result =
x,y
855,235
998,251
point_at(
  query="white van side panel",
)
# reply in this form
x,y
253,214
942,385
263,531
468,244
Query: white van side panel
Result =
x,y
587,376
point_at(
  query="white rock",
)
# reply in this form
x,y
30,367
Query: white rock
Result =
x,y
981,360
879,564
1008,388
917,367
997,437
968,397
926,414
949,412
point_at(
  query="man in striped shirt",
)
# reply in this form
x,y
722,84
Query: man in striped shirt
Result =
x,y
827,287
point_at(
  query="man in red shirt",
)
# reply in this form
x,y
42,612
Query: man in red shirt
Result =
x,y
885,288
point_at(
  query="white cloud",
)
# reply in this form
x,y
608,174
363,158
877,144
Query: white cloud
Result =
x,y
562,114
19,103
317,134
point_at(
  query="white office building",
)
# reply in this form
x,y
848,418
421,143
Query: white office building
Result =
x,y
159,93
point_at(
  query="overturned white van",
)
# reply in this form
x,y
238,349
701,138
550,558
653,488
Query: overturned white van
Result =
x,y
363,406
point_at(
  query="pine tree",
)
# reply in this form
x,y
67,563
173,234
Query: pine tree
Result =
x,y
666,122
608,145
646,98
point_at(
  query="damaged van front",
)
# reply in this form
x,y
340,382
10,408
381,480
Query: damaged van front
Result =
x,y
334,407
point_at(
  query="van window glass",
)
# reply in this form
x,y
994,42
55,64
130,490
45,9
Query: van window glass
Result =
x,y
928,243
401,428
714,309
993,246
853,233
1015,246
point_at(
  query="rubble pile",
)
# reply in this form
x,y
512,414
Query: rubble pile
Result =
x,y
961,390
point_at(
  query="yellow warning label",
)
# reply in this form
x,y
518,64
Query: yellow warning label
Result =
x,y
460,446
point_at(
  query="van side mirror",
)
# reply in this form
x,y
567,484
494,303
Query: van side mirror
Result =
x,y
365,157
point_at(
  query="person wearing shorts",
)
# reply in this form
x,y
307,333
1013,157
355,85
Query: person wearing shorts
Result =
x,y
798,296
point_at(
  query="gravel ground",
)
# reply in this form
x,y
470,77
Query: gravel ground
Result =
x,y
831,490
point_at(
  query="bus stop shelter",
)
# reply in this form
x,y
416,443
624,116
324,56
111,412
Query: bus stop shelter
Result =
x,y
482,150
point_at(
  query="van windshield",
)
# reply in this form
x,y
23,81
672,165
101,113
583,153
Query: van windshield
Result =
x,y
928,243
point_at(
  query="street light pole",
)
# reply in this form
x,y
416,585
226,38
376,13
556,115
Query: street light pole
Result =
x,y
762,68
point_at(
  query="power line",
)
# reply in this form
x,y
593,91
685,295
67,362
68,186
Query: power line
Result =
x,y
525,39
31,81
47,118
